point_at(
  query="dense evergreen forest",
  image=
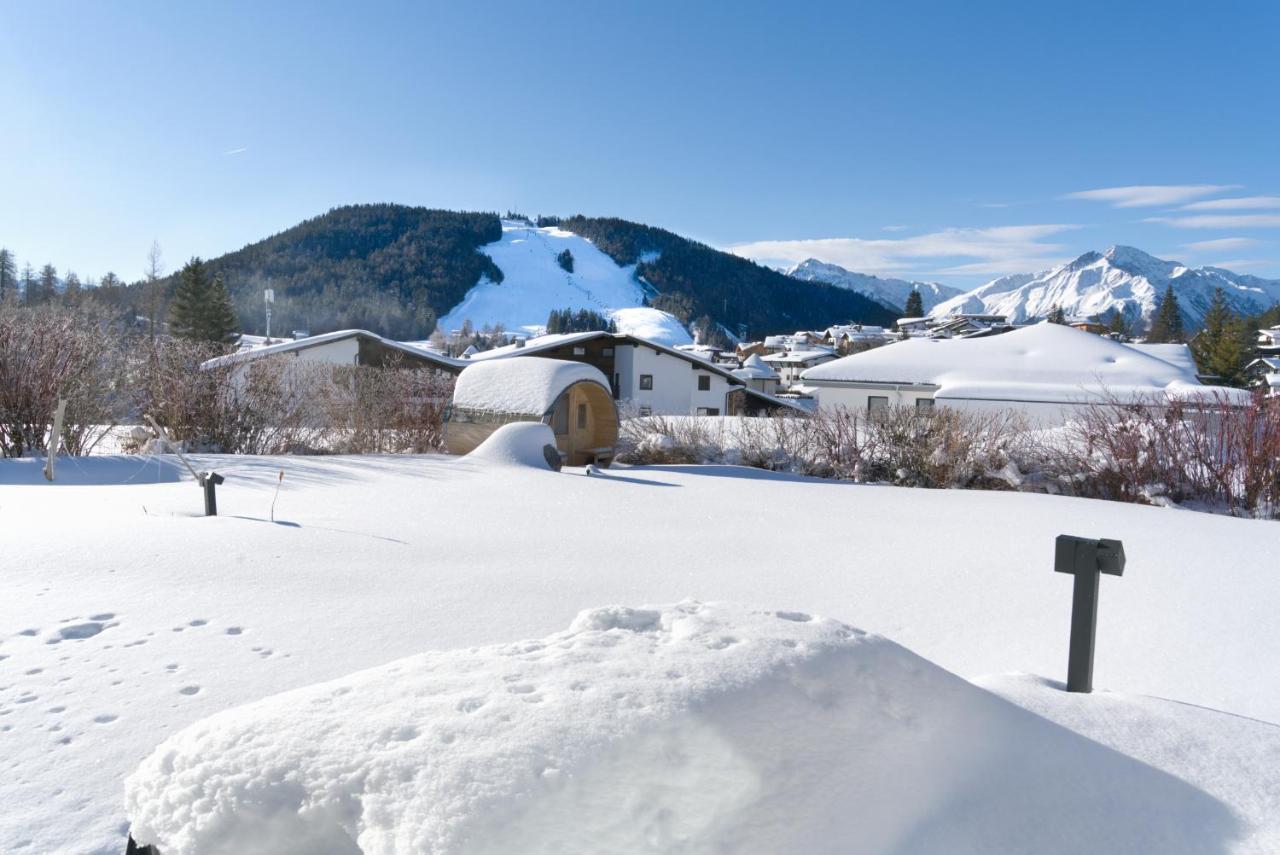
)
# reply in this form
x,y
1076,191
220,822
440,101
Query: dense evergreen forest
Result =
x,y
734,291
387,268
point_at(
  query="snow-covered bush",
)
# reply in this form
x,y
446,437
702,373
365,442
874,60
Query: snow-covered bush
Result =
x,y
55,352
1206,453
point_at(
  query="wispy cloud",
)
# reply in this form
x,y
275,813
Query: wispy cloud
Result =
x,y
1220,245
235,151
1150,195
1220,221
894,228
1002,249
1243,263
1238,203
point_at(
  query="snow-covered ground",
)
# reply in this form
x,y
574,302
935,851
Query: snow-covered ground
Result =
x,y
126,617
534,283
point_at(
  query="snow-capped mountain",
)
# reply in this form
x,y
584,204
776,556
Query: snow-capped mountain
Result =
x,y
1121,279
890,293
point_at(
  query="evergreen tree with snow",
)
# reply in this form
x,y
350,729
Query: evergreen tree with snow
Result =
x,y
201,308
1166,324
1058,315
1223,347
915,304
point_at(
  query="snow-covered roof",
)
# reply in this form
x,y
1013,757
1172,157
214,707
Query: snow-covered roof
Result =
x,y
754,368
535,345
799,356
293,345
1044,362
651,324
1177,355
527,386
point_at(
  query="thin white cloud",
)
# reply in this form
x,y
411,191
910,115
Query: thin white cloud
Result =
x,y
235,151
1238,203
1220,245
1220,221
1002,249
1242,263
894,228
1150,195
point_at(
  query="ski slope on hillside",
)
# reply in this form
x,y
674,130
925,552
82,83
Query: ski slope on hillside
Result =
x,y
534,283
127,616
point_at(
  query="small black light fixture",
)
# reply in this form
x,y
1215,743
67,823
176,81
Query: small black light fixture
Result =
x,y
210,480
1086,559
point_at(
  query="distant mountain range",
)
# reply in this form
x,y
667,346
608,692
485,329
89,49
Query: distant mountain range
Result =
x,y
1121,279
890,293
397,269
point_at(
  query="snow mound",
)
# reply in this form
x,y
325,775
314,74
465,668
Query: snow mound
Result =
x,y
517,444
528,385
651,325
108,470
692,728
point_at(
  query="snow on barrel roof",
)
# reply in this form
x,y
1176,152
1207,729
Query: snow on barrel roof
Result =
x,y
1044,362
529,385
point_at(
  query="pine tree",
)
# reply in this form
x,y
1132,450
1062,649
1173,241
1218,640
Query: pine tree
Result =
x,y
71,288
8,276
565,260
915,304
1117,324
28,283
1058,315
201,309
1222,348
1166,324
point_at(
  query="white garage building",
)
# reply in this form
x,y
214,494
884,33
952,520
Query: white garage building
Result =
x,y
1046,370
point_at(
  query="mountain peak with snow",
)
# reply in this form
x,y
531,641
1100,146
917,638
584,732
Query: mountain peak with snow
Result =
x,y
890,293
1122,279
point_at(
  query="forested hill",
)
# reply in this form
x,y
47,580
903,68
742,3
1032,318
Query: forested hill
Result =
x,y
387,268
395,269
734,291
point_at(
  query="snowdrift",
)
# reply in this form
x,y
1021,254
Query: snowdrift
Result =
x,y
517,444
689,728
100,471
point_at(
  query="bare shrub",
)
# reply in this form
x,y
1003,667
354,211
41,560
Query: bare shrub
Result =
x,y
1209,451
55,352
389,409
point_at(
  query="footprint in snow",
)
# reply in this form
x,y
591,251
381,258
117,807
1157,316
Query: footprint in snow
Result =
x,y
105,718
234,630
189,690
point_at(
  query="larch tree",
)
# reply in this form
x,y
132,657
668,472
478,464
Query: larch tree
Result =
x,y
47,287
153,289
915,304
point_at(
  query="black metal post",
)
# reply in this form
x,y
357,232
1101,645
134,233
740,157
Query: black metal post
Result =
x,y
1086,559
1084,625
209,480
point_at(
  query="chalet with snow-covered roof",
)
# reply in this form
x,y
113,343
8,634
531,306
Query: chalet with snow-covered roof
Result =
x,y
1046,371
1264,373
573,398
343,347
758,375
649,378
790,364
1268,342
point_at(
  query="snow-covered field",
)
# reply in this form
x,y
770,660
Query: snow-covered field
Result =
x,y
534,283
126,617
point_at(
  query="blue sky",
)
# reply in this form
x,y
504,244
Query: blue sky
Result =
x,y
953,141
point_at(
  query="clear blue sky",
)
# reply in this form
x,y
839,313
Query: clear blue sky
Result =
x,y
938,140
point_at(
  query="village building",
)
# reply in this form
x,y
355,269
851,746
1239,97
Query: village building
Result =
x,y
757,375
1268,342
343,347
790,364
1264,373
1047,371
572,398
647,377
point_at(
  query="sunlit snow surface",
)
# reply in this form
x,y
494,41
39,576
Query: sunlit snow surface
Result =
x,y
126,616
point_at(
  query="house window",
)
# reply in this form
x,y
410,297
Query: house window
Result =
x,y
704,382
606,351
560,416
578,350
708,411
646,411
924,405
646,382
582,417
877,404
